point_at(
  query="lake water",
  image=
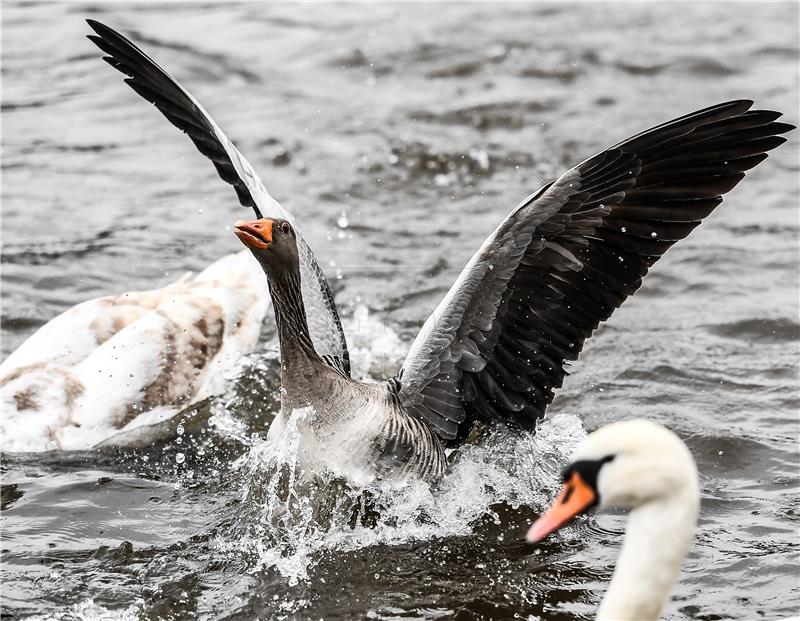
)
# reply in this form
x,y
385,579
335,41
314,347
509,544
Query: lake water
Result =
x,y
399,136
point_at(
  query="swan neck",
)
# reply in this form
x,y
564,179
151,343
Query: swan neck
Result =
x,y
657,539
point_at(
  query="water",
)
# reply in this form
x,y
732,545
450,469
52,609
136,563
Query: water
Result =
x,y
399,137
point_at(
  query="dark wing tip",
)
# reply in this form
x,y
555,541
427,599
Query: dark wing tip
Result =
x,y
99,27
105,32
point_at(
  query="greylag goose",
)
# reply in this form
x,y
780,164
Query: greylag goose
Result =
x,y
182,110
121,362
130,361
642,466
496,346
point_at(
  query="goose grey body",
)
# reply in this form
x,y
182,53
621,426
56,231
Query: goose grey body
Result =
x,y
356,429
496,347
359,430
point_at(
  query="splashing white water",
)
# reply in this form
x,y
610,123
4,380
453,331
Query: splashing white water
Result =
x,y
289,519
375,348
88,610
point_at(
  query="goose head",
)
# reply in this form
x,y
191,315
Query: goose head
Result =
x,y
273,242
629,464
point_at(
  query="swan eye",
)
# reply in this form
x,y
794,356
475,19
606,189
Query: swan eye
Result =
x,y
285,228
589,469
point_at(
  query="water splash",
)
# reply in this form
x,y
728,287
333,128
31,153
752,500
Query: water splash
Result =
x,y
375,347
88,610
288,518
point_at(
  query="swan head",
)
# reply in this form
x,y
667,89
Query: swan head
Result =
x,y
273,241
627,464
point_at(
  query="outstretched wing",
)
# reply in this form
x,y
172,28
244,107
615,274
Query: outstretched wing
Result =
x,y
182,110
564,259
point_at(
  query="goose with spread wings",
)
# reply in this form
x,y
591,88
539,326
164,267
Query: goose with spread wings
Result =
x,y
495,348
181,109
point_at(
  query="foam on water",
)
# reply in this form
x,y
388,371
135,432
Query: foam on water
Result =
x,y
288,520
376,350
88,610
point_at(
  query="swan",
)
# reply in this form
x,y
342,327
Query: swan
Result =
x,y
495,348
642,466
121,362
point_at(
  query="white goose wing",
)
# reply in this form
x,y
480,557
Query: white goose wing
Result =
x,y
564,259
155,85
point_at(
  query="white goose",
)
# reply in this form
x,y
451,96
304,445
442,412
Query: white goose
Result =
x,y
120,362
642,466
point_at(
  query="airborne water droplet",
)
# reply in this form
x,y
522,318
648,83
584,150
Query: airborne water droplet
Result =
x,y
343,222
653,234
180,458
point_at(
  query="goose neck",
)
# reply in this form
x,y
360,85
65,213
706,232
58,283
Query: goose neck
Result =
x,y
290,316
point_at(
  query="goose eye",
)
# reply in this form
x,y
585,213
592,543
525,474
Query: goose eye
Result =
x,y
285,228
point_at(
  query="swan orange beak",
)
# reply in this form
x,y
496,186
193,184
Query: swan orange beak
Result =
x,y
256,234
574,498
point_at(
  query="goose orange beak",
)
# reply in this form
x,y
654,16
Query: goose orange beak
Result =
x,y
255,234
574,498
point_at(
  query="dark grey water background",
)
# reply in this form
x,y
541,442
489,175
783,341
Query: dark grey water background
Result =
x,y
399,136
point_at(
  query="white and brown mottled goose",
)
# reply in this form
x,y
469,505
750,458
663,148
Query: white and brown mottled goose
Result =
x,y
641,466
118,367
494,349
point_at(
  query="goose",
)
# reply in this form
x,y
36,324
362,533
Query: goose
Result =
x,y
127,361
115,369
642,466
495,349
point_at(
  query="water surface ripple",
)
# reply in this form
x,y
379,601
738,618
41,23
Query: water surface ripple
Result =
x,y
399,137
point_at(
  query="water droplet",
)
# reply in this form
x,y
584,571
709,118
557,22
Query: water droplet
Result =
x,y
653,234
180,458
180,430
342,221
624,230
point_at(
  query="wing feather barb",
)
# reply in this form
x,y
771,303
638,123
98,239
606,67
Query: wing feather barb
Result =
x,y
565,258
